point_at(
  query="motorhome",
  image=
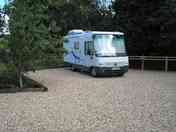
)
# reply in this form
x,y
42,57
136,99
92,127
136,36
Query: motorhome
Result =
x,y
97,52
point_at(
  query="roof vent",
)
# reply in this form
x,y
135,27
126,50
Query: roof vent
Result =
x,y
75,31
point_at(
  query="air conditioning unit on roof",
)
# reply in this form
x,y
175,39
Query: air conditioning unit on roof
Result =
x,y
75,31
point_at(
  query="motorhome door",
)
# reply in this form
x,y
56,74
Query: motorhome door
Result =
x,y
76,52
88,51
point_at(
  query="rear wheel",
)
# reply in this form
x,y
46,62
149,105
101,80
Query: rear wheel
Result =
x,y
93,72
73,68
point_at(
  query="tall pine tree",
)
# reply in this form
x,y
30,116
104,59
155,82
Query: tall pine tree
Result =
x,y
29,34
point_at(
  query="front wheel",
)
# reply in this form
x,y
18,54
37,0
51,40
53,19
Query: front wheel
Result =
x,y
93,72
121,74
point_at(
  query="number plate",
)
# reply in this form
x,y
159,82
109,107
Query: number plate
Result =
x,y
116,68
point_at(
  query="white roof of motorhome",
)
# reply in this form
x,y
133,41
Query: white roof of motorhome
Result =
x,y
100,32
81,32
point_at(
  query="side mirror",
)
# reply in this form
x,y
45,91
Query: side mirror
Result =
x,y
92,52
89,52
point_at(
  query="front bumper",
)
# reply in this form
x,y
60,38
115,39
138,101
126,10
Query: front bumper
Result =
x,y
111,70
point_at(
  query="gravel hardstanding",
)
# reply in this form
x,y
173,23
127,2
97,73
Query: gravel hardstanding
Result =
x,y
75,102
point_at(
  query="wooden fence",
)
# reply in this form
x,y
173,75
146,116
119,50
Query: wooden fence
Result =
x,y
143,59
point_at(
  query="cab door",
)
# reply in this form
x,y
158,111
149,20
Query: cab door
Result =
x,y
76,52
89,53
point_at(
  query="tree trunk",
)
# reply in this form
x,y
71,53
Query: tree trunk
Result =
x,y
20,78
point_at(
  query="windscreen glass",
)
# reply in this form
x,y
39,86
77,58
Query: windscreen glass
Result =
x,y
110,43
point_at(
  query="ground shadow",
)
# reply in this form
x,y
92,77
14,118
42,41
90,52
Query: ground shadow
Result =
x,y
8,85
86,73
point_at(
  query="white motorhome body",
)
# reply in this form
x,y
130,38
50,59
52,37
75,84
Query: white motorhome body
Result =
x,y
97,52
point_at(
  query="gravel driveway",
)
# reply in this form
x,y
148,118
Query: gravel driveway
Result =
x,y
138,102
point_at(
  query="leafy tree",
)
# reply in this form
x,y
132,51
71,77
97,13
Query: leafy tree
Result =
x,y
103,21
1,21
3,38
78,14
29,34
147,24
65,16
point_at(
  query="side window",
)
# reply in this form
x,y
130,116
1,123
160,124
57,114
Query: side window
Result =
x,y
66,49
85,47
88,48
76,45
65,41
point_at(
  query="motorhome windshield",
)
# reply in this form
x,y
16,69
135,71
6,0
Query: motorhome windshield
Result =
x,y
110,45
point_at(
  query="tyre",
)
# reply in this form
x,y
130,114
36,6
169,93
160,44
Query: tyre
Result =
x,y
93,72
73,68
121,74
